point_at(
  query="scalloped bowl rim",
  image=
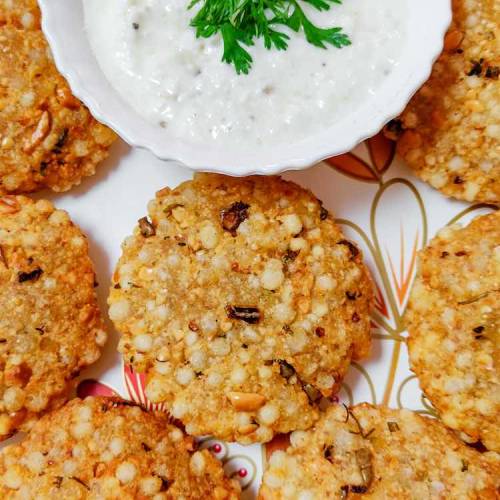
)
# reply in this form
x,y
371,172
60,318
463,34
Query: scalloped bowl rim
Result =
x,y
427,25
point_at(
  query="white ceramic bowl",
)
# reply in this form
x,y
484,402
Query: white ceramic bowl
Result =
x,y
63,23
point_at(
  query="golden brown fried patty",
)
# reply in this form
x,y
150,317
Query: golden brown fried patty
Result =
x,y
451,128
454,324
50,324
47,137
109,449
374,452
243,303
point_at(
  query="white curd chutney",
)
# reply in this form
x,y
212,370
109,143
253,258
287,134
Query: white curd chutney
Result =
x,y
152,57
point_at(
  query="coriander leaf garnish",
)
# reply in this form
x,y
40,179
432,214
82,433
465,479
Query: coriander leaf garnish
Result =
x,y
234,53
240,22
314,35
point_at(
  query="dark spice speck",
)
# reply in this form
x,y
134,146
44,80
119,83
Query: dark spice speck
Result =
x,y
43,167
30,276
358,488
351,246
312,392
328,452
320,332
477,68
393,130
247,314
79,481
290,256
478,332
492,72
146,227
61,141
165,483
393,426
232,217
286,369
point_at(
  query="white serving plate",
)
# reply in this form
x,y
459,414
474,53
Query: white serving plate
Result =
x,y
63,23
380,205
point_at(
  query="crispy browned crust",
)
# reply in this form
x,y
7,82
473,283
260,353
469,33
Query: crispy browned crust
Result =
x,y
451,128
109,448
454,325
47,137
375,452
217,244
50,323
